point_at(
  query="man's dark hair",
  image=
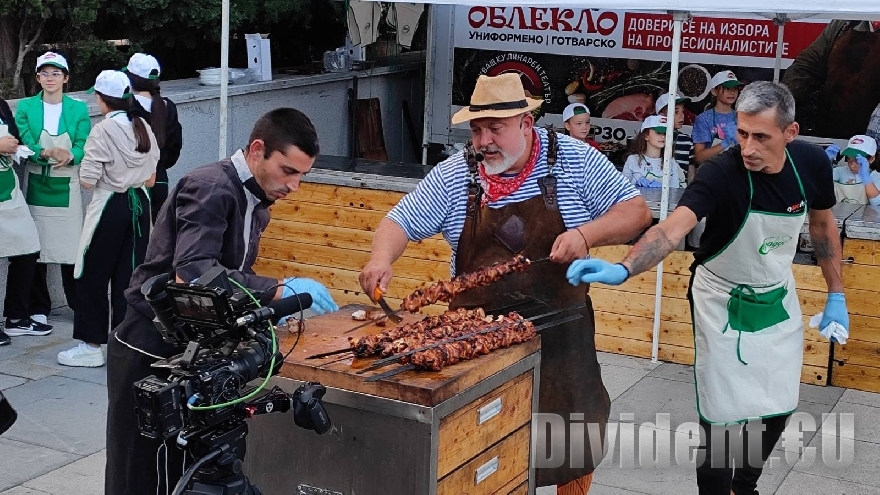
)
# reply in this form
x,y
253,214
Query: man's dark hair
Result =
x,y
284,127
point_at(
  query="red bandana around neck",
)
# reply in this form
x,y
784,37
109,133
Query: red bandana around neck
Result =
x,y
497,187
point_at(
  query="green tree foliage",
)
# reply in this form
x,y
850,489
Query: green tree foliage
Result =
x,y
25,23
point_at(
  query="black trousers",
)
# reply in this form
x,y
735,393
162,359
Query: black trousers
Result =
x,y
132,458
27,292
159,192
117,246
722,470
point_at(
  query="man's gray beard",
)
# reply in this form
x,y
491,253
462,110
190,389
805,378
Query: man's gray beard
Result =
x,y
507,161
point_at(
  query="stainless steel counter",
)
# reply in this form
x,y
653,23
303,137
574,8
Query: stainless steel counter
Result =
x,y
864,223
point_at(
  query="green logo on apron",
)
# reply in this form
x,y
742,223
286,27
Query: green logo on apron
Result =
x,y
772,243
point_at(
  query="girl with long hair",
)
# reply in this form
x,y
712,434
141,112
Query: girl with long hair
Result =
x,y
144,72
119,163
715,129
644,165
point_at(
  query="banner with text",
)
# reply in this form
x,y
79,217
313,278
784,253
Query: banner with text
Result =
x,y
744,42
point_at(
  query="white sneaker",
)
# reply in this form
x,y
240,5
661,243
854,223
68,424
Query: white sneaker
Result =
x,y
82,355
40,319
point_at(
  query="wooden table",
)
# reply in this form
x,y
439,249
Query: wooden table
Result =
x,y
465,429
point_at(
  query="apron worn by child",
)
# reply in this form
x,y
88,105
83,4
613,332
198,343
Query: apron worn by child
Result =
x,y
18,234
55,201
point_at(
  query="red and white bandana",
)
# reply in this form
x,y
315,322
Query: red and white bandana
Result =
x,y
497,187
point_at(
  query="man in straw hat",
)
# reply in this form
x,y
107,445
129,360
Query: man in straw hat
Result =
x,y
522,190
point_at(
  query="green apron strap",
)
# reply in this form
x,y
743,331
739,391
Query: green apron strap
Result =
x,y
134,204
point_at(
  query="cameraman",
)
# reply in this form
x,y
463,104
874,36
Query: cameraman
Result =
x,y
213,217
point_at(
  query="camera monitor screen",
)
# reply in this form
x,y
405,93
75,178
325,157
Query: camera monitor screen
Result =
x,y
198,308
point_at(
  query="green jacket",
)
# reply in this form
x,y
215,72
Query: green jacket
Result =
x,y
74,121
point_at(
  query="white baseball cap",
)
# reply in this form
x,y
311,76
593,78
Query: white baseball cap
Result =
x,y
112,83
52,58
664,100
724,78
143,65
574,109
860,145
656,122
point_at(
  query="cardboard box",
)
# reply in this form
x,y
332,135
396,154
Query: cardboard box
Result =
x,y
259,56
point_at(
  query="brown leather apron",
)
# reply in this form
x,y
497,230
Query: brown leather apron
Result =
x,y
852,84
570,380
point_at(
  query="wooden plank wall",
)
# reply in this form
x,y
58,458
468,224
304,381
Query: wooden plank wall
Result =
x,y
857,363
325,232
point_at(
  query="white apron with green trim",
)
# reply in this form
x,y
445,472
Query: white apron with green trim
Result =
x,y
18,234
748,331
55,201
850,193
95,209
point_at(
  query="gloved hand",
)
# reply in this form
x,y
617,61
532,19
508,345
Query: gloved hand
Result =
x,y
643,182
595,270
835,310
729,137
322,302
832,151
864,169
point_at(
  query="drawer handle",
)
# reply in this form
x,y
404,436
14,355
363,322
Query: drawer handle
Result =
x,y
487,469
489,411
848,261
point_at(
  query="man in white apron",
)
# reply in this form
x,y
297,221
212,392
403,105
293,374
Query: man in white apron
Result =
x,y
748,329
18,235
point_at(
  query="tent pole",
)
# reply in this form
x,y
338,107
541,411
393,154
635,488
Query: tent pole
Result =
x,y
429,83
224,75
678,19
780,21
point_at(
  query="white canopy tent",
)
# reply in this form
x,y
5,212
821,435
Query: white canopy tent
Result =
x,y
785,10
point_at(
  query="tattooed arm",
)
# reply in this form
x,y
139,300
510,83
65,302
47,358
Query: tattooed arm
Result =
x,y
826,242
660,240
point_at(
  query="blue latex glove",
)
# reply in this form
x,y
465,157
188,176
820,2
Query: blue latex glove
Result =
x,y
835,310
864,169
322,302
648,183
832,151
595,270
729,138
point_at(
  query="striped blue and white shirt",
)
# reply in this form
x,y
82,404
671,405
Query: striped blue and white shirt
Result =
x,y
588,186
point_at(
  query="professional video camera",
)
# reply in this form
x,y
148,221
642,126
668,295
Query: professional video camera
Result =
x,y
206,399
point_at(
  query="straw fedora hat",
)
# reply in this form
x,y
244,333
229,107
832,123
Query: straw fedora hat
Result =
x,y
499,96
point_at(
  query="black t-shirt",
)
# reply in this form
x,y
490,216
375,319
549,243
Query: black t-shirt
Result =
x,y
720,192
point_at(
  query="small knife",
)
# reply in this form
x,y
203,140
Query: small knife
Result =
x,y
377,295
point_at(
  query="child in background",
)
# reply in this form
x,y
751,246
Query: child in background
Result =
x,y
644,165
144,73
683,145
715,129
855,182
55,127
576,118
119,163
